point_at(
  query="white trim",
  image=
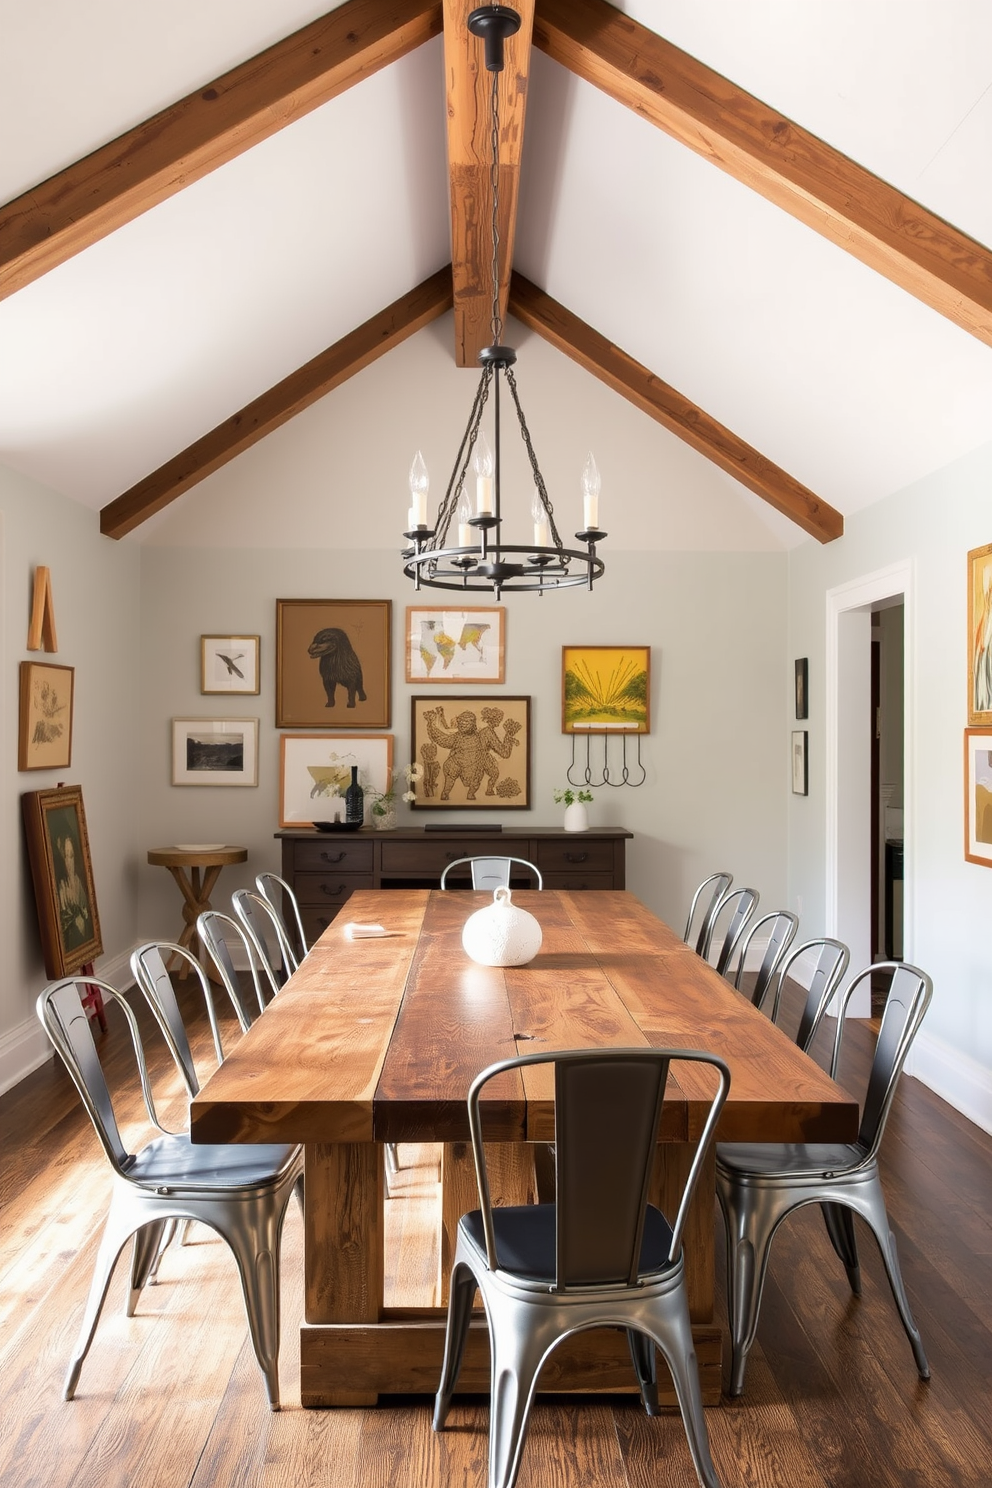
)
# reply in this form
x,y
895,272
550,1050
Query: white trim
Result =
x,y
955,1077
24,1048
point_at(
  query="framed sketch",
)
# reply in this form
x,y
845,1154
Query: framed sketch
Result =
x,y
215,751
44,737
980,637
800,763
605,689
802,687
229,664
455,646
315,772
978,795
332,663
62,873
472,751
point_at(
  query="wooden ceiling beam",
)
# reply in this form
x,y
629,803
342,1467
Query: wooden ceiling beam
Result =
x,y
151,162
297,391
468,96
670,408
886,230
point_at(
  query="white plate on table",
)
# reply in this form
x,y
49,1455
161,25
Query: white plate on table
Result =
x,y
201,847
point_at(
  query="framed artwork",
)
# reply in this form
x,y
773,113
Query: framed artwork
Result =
x,y
215,751
802,687
605,689
44,737
980,637
456,646
229,664
800,763
62,873
472,751
332,663
978,795
315,772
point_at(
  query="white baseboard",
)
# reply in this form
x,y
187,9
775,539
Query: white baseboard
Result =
x,y
955,1077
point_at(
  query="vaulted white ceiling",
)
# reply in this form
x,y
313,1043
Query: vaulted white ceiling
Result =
x,y
125,354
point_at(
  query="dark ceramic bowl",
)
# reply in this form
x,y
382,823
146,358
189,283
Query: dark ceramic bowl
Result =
x,y
338,826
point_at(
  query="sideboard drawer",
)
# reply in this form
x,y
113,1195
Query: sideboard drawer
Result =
x,y
578,880
428,859
584,855
330,887
336,854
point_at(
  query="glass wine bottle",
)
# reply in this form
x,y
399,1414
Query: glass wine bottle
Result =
x,y
354,799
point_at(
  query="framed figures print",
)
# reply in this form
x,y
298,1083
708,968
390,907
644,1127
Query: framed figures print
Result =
x,y
800,763
605,689
472,751
978,796
44,737
980,637
455,646
229,664
215,751
332,663
62,874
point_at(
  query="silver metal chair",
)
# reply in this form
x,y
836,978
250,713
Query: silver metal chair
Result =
x,y
599,1256
825,976
491,873
707,897
240,1191
277,894
148,967
260,922
760,1184
215,931
737,908
778,931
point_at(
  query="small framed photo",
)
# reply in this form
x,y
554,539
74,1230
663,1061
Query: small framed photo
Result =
x,y
800,763
215,751
471,751
59,854
980,637
802,687
229,664
315,772
332,663
455,646
605,689
978,795
44,738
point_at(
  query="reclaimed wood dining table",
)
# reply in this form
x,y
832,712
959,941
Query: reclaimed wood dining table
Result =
x,y
376,1041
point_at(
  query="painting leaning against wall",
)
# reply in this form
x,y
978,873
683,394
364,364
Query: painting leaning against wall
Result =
x,y
605,689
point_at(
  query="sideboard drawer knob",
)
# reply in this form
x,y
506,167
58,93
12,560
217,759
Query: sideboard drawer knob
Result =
x,y
332,892
337,858
576,857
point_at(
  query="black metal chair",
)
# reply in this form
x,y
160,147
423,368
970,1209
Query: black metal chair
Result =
x,y
773,934
734,910
823,975
599,1256
759,1185
707,898
491,873
277,894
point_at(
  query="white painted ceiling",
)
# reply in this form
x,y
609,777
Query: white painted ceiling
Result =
x,y
124,355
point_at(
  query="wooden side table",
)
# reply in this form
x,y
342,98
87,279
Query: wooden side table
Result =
x,y
186,868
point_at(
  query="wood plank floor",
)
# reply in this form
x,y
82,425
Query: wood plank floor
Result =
x,y
172,1397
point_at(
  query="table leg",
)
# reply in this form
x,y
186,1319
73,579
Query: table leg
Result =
x,y
667,1183
196,899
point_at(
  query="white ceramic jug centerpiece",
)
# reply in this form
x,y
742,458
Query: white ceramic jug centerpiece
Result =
x,y
502,934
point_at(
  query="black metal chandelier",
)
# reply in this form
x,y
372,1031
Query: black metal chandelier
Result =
x,y
481,560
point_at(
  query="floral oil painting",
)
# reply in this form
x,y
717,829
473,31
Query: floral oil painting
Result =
x,y
606,689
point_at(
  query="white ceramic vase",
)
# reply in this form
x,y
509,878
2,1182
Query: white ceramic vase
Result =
x,y
576,817
501,934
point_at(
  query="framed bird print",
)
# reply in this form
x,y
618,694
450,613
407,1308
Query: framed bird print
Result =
x,y
229,664
455,645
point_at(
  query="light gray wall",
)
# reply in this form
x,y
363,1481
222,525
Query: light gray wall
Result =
x,y
95,586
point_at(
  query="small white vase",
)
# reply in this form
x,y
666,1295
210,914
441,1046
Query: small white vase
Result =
x,y
502,934
576,817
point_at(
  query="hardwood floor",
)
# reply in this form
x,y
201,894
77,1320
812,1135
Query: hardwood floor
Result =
x,y
173,1396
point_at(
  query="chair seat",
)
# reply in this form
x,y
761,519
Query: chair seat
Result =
x,y
525,1241
174,1162
787,1160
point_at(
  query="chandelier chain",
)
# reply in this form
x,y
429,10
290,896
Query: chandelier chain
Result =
x,y
497,319
542,489
449,503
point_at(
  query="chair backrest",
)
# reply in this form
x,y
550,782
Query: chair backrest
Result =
x,y
277,894
707,897
738,908
910,991
215,931
777,931
492,873
261,923
65,1022
831,961
152,976
608,1104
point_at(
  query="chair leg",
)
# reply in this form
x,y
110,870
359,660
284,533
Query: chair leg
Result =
x,y
643,1357
751,1220
255,1244
839,1220
116,1234
887,1245
519,1345
149,1243
462,1291
674,1339
168,1234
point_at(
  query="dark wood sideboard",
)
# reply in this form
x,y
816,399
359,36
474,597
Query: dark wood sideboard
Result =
x,y
324,868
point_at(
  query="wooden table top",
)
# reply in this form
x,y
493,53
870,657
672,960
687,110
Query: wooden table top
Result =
x,y
379,1039
177,857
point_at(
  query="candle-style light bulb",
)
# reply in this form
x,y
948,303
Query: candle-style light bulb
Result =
x,y
591,483
466,533
483,466
420,484
539,516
